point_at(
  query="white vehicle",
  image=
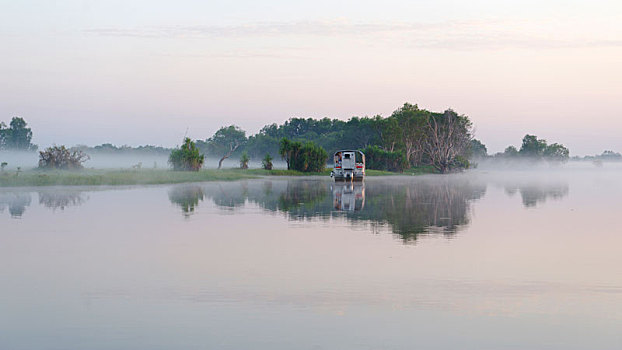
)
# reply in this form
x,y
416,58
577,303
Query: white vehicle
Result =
x,y
349,165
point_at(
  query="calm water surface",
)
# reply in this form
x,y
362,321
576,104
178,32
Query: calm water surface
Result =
x,y
503,260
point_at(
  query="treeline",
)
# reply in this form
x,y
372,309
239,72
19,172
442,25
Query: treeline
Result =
x,y
533,148
409,137
16,136
125,149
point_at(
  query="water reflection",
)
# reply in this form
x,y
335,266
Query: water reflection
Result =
x,y
61,198
15,201
348,196
187,197
407,207
533,194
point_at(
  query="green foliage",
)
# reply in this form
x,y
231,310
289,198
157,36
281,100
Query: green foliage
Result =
x,y
532,147
225,141
478,149
266,162
59,157
17,136
510,152
187,157
307,157
244,160
380,159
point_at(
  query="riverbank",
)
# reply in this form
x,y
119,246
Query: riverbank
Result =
x,y
91,177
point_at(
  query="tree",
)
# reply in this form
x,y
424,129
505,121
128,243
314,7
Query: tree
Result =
x,y
478,149
59,157
307,157
510,152
266,163
17,136
532,147
186,157
556,152
244,160
226,141
411,122
448,140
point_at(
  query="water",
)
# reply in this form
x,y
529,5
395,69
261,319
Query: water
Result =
x,y
486,260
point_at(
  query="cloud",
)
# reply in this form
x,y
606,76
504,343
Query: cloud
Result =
x,y
460,35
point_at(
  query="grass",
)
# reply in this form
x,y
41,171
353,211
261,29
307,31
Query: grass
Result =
x,y
90,177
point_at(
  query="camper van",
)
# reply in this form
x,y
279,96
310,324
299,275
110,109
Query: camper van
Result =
x,y
349,165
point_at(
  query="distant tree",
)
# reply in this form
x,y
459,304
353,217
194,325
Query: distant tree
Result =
x,y
244,160
478,149
510,152
557,152
226,141
532,147
17,136
186,157
448,141
59,157
3,135
266,163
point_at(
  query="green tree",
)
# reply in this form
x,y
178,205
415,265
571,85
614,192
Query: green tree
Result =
x,y
244,160
186,157
557,152
226,141
510,152
17,136
307,157
532,147
266,162
478,149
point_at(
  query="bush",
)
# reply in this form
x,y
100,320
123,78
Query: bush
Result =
x,y
59,157
186,157
307,157
244,160
266,163
380,159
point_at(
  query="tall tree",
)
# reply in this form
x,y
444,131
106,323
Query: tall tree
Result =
x,y
226,141
448,140
412,123
532,146
18,136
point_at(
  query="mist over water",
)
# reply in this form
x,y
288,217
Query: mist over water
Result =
x,y
411,259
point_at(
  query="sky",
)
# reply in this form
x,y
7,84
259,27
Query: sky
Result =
x,y
150,72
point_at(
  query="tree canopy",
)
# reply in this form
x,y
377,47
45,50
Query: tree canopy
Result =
x,y
17,136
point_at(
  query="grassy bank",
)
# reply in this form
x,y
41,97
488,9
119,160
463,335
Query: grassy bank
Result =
x,y
116,177
91,177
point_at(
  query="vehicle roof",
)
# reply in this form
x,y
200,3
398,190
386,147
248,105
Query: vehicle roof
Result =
x,y
349,150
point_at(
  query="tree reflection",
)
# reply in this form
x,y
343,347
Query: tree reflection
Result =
x,y
408,207
187,197
60,199
16,202
533,194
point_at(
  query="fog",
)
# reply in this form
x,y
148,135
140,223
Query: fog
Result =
x,y
105,160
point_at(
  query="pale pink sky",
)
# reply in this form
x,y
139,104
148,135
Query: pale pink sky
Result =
x,y
144,71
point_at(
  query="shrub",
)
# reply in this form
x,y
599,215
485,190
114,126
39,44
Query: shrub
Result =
x,y
307,157
266,163
380,159
186,157
59,157
244,160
